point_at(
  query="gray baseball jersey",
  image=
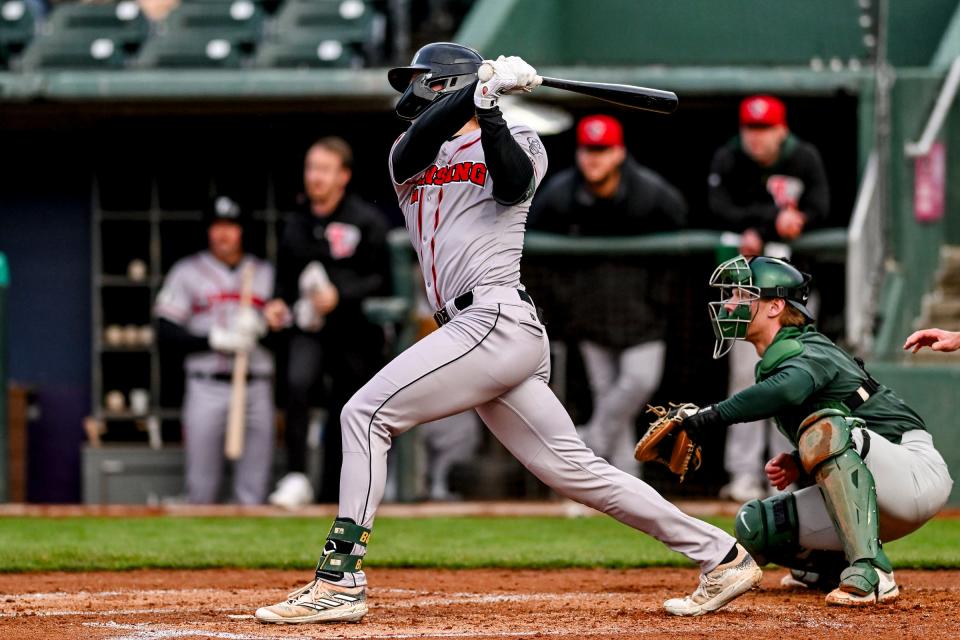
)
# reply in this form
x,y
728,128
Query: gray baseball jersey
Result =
x,y
201,292
463,237
493,355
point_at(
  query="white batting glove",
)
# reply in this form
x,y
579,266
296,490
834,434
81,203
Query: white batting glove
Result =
x,y
230,341
527,78
306,316
251,322
488,92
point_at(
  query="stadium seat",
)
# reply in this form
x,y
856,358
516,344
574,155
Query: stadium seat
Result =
x,y
238,21
73,51
190,50
307,53
351,23
16,28
122,22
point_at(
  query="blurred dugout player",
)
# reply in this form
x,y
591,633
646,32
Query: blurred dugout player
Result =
x,y
769,186
333,255
608,193
198,313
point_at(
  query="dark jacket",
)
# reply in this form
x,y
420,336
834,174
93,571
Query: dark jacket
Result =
x,y
615,301
350,243
743,195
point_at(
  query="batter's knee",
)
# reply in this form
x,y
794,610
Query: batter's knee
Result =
x,y
823,435
769,529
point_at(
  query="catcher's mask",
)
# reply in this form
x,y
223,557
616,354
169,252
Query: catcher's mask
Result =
x,y
437,70
742,281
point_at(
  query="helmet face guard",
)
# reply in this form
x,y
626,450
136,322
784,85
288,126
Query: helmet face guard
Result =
x,y
743,281
437,70
735,281
425,89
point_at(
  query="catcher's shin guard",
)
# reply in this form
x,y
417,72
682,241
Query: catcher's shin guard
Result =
x,y
826,451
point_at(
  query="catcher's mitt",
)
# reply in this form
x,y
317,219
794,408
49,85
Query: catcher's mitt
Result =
x,y
667,442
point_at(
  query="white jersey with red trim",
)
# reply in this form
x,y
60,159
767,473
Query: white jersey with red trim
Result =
x,y
463,237
200,292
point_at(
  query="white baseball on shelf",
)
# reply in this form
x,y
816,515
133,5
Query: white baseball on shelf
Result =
x,y
145,335
131,335
114,401
113,335
137,270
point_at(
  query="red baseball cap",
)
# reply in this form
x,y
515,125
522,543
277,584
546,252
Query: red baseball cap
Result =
x,y
762,111
599,131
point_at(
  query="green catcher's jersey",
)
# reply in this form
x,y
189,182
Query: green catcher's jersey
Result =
x,y
835,376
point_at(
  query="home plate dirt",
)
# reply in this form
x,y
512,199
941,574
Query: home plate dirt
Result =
x,y
149,605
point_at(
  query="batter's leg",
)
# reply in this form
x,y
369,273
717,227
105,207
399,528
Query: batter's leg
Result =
x,y
205,407
533,425
476,357
251,473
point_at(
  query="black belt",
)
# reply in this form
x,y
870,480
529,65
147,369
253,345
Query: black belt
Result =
x,y
226,377
461,302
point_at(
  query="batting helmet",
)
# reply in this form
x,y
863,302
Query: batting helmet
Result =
x,y
436,70
753,278
226,209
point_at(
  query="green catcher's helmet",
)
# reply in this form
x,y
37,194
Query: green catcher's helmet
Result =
x,y
752,279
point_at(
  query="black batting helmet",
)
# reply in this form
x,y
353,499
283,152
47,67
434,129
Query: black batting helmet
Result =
x,y
222,208
439,69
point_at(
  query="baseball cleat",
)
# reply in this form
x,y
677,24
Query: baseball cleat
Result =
x,y
886,591
797,579
718,587
793,582
319,601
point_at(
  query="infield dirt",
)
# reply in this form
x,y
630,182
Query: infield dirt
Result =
x,y
148,605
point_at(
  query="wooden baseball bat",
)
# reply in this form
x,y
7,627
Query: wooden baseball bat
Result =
x,y
626,95
236,418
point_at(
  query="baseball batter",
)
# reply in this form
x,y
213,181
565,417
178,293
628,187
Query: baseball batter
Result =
x,y
876,471
464,180
198,312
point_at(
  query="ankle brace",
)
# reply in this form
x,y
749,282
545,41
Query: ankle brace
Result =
x,y
338,557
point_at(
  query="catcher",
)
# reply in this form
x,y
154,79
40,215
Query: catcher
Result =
x,y
876,475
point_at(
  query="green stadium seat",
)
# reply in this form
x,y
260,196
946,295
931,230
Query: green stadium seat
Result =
x,y
307,53
238,21
189,51
353,23
73,51
16,28
122,22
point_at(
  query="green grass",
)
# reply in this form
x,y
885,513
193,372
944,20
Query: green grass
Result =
x,y
83,544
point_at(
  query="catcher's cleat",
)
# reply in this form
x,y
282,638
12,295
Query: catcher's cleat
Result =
x,y
886,591
319,601
718,587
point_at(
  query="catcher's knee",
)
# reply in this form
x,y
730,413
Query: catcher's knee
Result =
x,y
769,529
823,435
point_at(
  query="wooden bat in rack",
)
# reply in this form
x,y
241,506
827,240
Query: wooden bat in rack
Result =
x,y
625,95
237,416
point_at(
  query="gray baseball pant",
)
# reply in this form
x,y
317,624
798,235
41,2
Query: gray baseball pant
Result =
x,y
494,356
